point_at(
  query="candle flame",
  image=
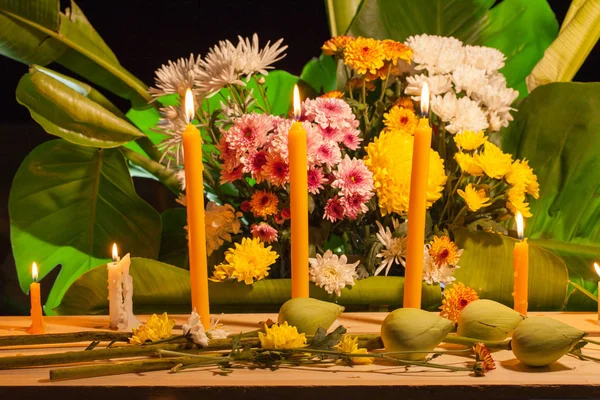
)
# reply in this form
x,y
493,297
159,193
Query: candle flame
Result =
x,y
115,253
34,272
520,225
597,268
297,107
425,100
189,105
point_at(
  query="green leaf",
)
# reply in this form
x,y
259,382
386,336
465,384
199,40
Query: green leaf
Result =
x,y
161,287
487,266
173,242
39,33
521,29
59,104
67,205
320,74
340,13
145,119
556,129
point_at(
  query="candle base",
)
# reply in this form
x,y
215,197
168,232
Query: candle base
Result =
x,y
36,330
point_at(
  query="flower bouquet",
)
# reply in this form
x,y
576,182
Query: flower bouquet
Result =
x,y
360,108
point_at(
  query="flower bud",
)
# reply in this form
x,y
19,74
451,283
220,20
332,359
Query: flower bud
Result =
x,y
409,329
308,314
487,320
539,341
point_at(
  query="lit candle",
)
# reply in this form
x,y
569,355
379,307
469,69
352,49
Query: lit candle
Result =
x,y
192,149
417,206
298,202
597,268
37,320
521,268
115,287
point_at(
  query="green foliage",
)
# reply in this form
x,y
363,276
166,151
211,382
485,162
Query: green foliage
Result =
x,y
521,29
173,242
557,130
320,74
67,205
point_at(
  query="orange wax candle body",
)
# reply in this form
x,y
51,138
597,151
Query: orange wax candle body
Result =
x,y
417,206
299,209
192,147
37,320
521,276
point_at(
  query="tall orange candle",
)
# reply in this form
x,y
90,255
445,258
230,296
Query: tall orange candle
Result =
x,y
37,320
192,149
521,269
298,202
417,206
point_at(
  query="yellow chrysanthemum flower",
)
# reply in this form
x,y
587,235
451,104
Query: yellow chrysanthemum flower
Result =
x,y
349,345
394,51
334,94
494,162
521,173
444,251
469,140
474,198
263,203
468,164
400,119
364,55
336,45
155,329
220,223
517,202
281,336
389,158
248,262
456,298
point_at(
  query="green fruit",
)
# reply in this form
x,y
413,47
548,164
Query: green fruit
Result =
x,y
539,341
487,320
308,314
410,329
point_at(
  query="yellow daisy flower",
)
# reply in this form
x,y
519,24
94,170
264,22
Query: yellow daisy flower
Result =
x,y
401,119
444,251
494,162
517,202
336,45
468,164
521,173
364,55
469,140
248,262
474,198
456,298
155,329
222,272
263,203
349,345
281,336
389,158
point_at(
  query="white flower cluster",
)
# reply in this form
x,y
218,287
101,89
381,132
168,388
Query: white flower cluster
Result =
x,y
194,330
331,272
468,92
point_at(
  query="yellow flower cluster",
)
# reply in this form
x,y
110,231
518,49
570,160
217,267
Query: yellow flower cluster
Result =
x,y
155,329
281,336
400,119
474,198
456,297
247,262
349,345
220,223
389,158
523,181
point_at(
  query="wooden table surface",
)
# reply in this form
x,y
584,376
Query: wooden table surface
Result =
x,y
568,378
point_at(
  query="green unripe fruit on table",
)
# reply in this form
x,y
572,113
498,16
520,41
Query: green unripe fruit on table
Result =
x,y
488,320
307,314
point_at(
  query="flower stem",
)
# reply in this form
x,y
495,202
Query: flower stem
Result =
x,y
465,341
71,337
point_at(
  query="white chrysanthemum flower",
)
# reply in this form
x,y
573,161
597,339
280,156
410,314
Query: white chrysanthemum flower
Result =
x,y
172,124
195,330
175,77
436,54
216,330
451,55
497,97
331,272
468,117
486,58
436,274
438,84
253,60
444,106
395,248
498,120
468,79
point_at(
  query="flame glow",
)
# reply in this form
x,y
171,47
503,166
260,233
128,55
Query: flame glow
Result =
x,y
425,100
34,272
597,268
520,225
297,107
189,105
115,253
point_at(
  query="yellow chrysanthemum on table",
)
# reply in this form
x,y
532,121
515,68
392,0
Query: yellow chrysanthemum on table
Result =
x,y
474,198
456,298
364,55
521,174
281,336
389,158
400,119
349,345
336,45
248,262
517,201
468,164
469,140
155,329
494,162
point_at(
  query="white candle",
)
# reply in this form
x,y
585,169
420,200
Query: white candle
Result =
x,y
597,268
127,319
115,288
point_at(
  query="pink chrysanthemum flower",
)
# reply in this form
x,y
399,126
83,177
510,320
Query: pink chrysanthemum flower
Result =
x,y
331,134
276,170
264,232
254,163
316,179
329,153
351,138
249,132
354,205
334,209
329,112
353,177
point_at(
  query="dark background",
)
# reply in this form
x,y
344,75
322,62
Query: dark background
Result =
x,y
147,33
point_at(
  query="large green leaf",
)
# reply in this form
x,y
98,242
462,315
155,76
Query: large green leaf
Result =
x,y
521,29
557,129
60,104
67,205
37,32
173,242
161,287
320,74
487,267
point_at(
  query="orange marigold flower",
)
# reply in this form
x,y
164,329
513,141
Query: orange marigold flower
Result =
x,y
444,251
263,203
483,359
456,298
336,45
334,94
394,51
356,84
364,55
405,102
400,118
